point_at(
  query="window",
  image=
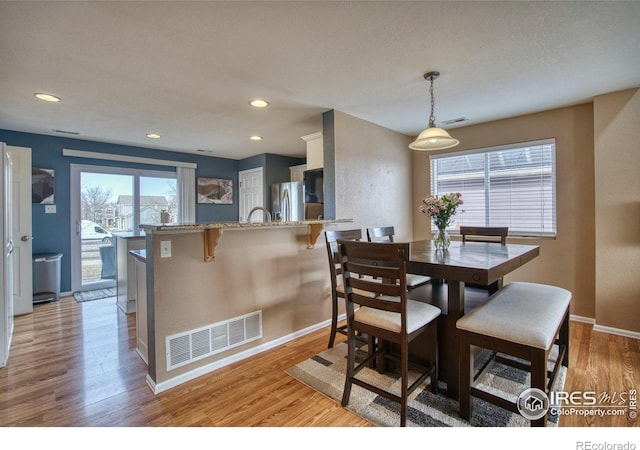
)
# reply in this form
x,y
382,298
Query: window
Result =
x,y
511,185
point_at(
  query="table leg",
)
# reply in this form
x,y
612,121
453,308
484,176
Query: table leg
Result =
x,y
449,361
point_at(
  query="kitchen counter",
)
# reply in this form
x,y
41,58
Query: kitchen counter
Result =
x,y
126,242
213,230
129,234
150,228
265,286
140,255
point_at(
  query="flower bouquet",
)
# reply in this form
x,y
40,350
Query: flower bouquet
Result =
x,y
441,210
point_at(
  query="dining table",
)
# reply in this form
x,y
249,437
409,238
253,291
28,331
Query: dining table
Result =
x,y
477,263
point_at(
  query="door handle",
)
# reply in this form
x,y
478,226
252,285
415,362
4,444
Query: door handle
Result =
x,y
24,238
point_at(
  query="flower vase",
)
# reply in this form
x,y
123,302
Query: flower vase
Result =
x,y
441,239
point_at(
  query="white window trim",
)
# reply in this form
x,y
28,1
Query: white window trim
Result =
x,y
126,158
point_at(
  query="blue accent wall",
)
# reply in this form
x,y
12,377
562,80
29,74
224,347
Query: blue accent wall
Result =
x,y
52,232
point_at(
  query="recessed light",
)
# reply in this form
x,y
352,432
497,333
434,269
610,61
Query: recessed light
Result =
x,y
46,97
256,138
258,103
153,136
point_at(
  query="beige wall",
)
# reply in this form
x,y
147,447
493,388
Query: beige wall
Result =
x,y
373,176
257,269
569,260
617,200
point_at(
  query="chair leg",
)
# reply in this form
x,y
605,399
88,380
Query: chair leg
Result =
x,y
404,371
539,379
466,371
334,319
351,361
564,338
434,339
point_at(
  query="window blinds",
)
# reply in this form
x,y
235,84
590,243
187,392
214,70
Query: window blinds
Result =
x,y
511,185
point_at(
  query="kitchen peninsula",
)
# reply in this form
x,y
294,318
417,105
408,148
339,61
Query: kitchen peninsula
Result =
x,y
219,292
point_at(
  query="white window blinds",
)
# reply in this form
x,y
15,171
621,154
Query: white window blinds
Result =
x,y
511,185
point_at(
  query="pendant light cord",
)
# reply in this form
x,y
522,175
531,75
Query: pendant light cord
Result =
x,y
432,117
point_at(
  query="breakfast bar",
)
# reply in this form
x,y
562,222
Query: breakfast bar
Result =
x,y
219,292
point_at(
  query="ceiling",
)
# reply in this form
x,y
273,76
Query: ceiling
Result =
x,y
187,70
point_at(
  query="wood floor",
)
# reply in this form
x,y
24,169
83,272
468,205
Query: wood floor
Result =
x,y
74,364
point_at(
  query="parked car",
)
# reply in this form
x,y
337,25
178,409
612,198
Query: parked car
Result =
x,y
91,231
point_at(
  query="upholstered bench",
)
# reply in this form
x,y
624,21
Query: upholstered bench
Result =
x,y
523,320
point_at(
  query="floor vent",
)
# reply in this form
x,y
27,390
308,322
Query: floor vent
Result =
x,y
190,346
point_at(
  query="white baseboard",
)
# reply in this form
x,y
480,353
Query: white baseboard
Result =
x,y
188,376
589,320
617,331
604,329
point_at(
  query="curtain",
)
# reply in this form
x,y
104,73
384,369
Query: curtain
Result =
x,y
186,194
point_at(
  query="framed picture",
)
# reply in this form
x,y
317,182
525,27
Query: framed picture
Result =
x,y
42,186
215,190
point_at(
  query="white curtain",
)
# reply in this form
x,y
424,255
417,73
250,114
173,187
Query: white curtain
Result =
x,y
186,194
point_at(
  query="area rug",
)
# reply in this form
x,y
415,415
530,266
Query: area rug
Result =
x,y
325,373
96,294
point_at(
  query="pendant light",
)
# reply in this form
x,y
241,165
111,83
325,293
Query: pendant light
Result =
x,y
433,138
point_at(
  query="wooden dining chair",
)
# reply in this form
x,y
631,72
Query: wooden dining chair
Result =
x,y
375,279
335,271
485,234
385,234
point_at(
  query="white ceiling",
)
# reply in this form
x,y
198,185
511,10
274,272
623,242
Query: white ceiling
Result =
x,y
187,70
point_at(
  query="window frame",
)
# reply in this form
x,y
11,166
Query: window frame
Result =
x,y
487,152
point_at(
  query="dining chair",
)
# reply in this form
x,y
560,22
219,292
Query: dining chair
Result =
x,y
485,234
375,279
385,234
335,270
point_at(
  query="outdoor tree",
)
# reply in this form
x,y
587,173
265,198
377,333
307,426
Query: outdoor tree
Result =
x,y
94,200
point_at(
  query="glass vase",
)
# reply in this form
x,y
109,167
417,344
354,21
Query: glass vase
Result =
x,y
441,239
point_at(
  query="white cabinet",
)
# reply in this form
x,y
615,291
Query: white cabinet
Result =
x,y
125,270
315,150
297,172
140,266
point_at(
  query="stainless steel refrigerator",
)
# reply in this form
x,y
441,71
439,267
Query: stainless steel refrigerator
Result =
x,y
287,202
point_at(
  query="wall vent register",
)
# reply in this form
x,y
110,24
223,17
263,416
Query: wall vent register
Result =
x,y
193,345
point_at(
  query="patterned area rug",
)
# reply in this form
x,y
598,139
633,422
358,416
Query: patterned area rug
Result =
x,y
325,373
96,294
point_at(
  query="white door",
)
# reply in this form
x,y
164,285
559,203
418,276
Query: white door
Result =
x,y
6,259
106,201
251,193
21,211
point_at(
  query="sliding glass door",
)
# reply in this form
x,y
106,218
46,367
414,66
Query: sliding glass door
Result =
x,y
106,201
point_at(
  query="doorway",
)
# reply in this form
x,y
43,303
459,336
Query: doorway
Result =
x,y
251,193
106,201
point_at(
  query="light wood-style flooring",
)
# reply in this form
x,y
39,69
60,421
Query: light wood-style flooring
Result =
x,y
74,364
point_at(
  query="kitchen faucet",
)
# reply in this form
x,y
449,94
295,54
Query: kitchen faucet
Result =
x,y
259,208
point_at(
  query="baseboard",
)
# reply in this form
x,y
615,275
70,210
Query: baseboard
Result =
x,y
589,320
198,372
617,331
603,329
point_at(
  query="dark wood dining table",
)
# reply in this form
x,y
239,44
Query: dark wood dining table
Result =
x,y
478,263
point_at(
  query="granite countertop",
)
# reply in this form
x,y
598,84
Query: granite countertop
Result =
x,y
139,254
236,225
129,234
